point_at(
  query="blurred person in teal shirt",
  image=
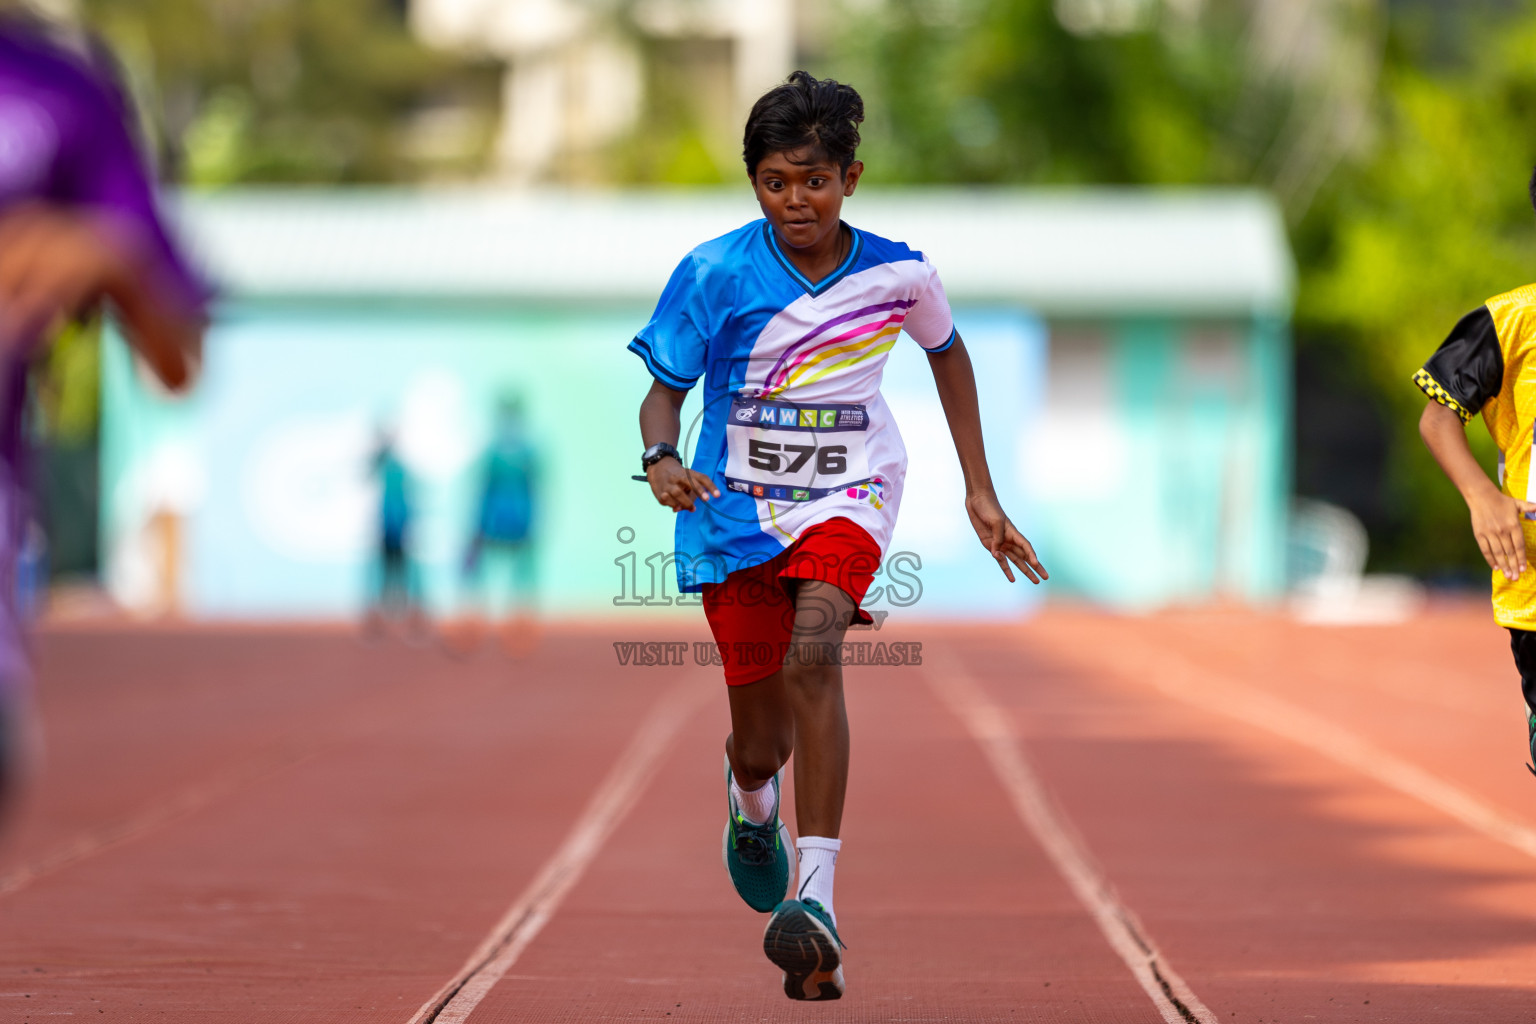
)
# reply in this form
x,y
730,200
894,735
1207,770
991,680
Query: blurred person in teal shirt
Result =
x,y
502,545
394,590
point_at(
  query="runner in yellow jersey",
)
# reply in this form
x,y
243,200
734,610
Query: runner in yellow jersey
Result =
x,y
1488,365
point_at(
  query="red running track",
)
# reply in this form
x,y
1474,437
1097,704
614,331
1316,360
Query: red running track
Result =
x,y
1299,823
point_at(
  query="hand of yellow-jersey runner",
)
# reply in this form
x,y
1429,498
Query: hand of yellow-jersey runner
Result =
x,y
1496,525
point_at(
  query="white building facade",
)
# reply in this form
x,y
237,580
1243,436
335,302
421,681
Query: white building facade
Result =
x,y
577,70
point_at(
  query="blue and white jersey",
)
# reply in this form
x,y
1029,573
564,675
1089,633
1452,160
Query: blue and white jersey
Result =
x,y
793,430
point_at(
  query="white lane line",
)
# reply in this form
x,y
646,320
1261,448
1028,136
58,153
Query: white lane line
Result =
x,y
989,727
357,724
180,804
1177,677
532,910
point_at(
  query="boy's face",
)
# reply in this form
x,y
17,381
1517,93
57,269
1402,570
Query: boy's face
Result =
x,y
801,193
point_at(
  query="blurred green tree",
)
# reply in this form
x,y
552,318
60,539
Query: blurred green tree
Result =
x,y
1432,219
298,91
1004,91
1397,135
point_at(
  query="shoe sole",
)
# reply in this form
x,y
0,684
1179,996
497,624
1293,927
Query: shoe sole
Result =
x,y
807,953
786,849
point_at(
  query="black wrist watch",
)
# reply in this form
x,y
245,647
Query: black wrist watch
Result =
x,y
656,452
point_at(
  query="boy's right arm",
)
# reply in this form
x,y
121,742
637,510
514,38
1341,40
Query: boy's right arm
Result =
x,y
673,484
1495,515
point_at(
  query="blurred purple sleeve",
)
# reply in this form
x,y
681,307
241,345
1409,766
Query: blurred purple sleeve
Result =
x,y
100,167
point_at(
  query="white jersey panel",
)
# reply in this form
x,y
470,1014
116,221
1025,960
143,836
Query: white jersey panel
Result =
x,y
818,358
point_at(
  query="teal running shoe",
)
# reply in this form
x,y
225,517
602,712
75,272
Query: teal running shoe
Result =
x,y
757,857
802,940
1530,729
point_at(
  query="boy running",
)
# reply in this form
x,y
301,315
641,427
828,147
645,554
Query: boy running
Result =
x,y
1485,365
788,507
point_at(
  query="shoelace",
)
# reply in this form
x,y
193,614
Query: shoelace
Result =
x,y
754,842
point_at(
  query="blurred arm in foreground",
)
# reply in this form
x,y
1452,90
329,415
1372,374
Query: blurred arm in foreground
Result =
x,y
78,219
56,261
78,227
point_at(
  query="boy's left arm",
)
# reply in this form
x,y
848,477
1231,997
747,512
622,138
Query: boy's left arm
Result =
x,y
956,382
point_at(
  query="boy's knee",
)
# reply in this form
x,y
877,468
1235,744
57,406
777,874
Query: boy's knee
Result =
x,y
757,762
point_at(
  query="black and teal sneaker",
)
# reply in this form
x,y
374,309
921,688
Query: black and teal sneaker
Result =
x,y
1530,731
757,857
802,940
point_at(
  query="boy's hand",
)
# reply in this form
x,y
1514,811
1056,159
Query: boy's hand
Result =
x,y
1496,525
1002,538
675,485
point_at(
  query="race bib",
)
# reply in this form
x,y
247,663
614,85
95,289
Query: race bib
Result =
x,y
788,452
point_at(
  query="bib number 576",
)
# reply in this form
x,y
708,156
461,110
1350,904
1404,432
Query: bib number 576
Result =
x,y
765,455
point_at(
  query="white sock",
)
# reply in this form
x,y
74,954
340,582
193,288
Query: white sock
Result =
x,y
818,860
759,804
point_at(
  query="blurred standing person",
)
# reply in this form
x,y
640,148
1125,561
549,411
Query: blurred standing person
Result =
x,y
78,227
504,525
394,589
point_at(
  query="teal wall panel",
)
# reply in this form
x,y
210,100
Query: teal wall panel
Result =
x,y
268,461
1164,461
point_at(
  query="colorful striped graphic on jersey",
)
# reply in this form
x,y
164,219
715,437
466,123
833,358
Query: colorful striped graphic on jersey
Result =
x,y
803,357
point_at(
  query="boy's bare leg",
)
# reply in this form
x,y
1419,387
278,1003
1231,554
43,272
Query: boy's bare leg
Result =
x,y
813,685
757,852
762,730
801,937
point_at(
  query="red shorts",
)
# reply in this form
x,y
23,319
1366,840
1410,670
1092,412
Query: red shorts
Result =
x,y
751,613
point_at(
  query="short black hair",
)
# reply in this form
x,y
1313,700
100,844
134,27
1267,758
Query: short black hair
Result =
x,y
804,111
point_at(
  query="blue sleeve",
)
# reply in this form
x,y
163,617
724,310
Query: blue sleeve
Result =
x,y
675,343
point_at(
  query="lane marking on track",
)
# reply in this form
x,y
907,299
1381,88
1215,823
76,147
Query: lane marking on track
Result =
x,y
277,755
185,802
1208,690
533,909
989,726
